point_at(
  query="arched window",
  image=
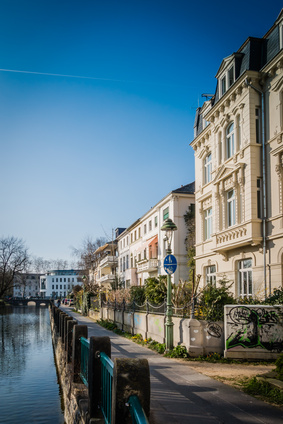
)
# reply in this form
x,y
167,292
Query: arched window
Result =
x,y
207,168
230,141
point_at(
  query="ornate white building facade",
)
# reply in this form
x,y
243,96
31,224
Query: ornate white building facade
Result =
x,y
238,148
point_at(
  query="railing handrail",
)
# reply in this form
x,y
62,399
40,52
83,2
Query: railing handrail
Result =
x,y
84,360
107,362
136,410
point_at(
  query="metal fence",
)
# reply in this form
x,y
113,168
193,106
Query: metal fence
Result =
x,y
84,360
107,369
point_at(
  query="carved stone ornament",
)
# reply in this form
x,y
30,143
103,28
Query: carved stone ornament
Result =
x,y
279,139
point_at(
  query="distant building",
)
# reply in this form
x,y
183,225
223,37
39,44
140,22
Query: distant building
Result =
x,y
104,271
142,246
26,285
238,148
59,283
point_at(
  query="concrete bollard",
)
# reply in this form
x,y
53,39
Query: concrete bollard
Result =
x,y
70,326
78,332
61,323
130,377
96,345
67,319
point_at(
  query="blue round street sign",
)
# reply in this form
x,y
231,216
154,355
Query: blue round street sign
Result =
x,y
170,264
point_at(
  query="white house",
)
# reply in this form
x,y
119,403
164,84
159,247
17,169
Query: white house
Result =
x,y
142,247
59,283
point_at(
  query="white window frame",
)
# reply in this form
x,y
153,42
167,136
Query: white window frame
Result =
x,y
230,140
207,168
210,275
245,278
231,208
207,224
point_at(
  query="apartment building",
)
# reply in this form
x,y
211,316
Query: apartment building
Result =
x,y
26,285
59,283
142,246
238,144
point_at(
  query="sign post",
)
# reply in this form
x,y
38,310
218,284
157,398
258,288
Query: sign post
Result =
x,y
170,266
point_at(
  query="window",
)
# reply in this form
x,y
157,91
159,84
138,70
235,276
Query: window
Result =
x,y
52,286
210,275
165,213
56,286
155,221
230,141
257,125
259,197
139,232
207,169
124,263
144,254
245,278
223,85
230,76
127,261
144,229
150,226
231,208
207,223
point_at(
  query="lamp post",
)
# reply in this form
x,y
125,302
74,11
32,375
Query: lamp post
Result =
x,y
169,227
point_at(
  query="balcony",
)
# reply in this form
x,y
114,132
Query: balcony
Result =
x,y
108,278
147,265
238,236
108,261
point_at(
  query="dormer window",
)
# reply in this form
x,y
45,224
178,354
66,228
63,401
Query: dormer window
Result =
x,y
227,80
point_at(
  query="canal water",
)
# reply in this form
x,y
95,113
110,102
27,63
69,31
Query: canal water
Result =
x,y
29,389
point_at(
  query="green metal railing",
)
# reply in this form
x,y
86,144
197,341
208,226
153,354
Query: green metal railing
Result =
x,y
107,367
84,360
136,410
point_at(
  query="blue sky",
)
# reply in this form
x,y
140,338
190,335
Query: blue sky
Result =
x,y
80,156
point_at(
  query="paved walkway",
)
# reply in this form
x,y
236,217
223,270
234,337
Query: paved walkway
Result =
x,y
180,395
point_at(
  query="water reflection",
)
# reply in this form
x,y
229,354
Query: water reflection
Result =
x,y
29,390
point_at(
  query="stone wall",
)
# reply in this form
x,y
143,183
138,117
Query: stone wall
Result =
x,y
253,331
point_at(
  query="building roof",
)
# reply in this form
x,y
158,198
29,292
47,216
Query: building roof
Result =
x,y
188,188
253,55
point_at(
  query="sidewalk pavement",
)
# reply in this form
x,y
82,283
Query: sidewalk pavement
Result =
x,y
180,395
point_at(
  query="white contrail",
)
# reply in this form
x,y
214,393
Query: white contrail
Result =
x,y
61,75
92,78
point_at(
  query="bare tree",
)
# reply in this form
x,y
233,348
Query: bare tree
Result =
x,y
14,259
86,255
41,266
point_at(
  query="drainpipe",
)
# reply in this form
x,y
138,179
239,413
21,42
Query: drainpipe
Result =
x,y
263,184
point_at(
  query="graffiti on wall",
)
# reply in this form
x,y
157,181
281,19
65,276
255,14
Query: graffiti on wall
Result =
x,y
255,327
214,330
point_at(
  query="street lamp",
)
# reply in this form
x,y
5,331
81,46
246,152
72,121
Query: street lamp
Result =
x,y
169,227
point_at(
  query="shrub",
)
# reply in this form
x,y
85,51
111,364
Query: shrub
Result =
x,y
156,289
137,294
211,301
